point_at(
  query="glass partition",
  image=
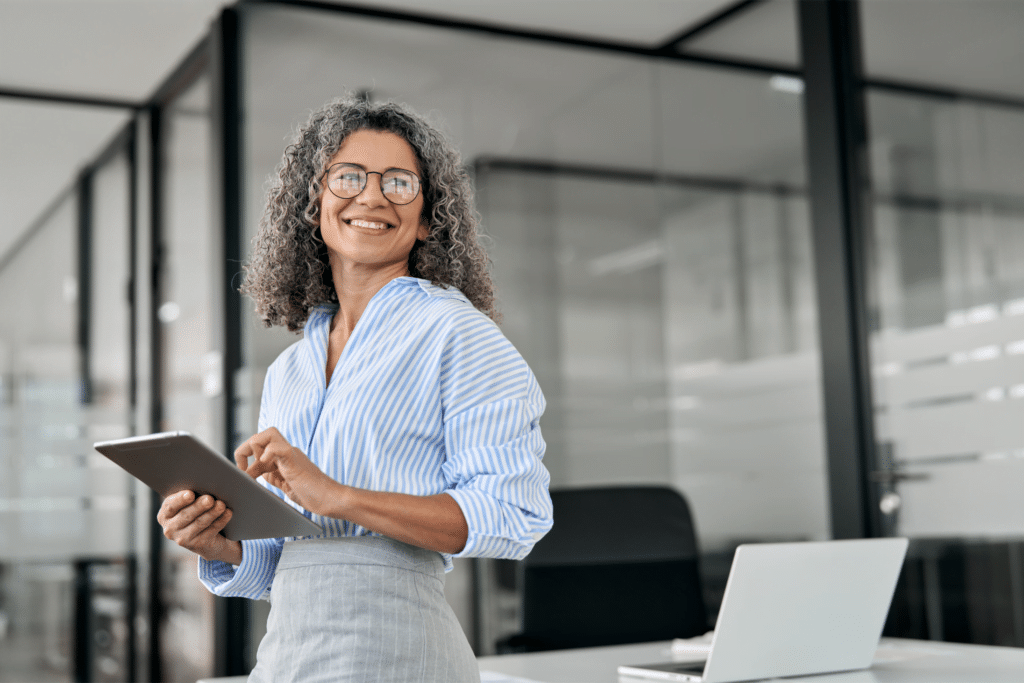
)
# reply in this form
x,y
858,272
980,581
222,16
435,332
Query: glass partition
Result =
x,y
41,519
651,251
59,504
947,297
192,353
109,569
44,146
948,352
66,547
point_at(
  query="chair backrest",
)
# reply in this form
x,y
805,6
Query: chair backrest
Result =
x,y
620,565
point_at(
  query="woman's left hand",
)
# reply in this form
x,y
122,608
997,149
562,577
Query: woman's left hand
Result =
x,y
287,468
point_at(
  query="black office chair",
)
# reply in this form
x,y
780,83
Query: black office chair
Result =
x,y
619,566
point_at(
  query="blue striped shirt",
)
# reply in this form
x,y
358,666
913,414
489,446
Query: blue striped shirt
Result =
x,y
427,397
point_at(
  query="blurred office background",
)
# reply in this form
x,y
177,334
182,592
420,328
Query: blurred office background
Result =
x,y
647,172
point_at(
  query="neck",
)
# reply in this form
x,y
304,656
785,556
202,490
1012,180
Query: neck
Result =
x,y
355,287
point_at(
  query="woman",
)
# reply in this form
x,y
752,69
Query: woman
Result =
x,y
404,423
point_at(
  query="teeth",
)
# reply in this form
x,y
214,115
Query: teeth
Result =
x,y
373,225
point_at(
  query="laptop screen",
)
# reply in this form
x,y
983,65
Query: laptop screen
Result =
x,y
793,609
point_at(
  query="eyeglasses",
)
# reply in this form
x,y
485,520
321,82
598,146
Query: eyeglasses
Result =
x,y
346,181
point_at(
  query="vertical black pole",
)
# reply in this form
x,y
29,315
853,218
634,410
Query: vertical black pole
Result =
x,y
131,152
233,614
156,534
84,303
131,562
83,652
836,139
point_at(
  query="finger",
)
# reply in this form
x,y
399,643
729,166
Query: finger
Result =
x,y
242,454
267,438
260,441
260,467
173,504
187,515
272,451
275,479
218,524
269,459
256,446
202,522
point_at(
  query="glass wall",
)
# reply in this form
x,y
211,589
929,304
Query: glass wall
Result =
x,y
947,297
949,229
41,400
111,564
677,346
651,251
66,542
191,353
948,354
76,367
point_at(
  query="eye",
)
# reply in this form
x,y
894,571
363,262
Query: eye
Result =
x,y
347,180
400,183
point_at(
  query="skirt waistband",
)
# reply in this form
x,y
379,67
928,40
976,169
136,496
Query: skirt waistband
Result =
x,y
371,550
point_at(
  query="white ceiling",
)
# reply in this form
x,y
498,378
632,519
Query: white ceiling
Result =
x,y
120,49
105,48
648,22
123,49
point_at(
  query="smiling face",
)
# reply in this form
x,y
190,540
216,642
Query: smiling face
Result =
x,y
367,234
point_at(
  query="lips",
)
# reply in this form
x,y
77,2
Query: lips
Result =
x,y
371,225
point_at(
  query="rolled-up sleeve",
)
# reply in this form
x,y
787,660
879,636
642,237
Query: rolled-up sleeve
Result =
x,y
250,579
494,448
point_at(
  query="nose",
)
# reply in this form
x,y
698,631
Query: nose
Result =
x,y
373,194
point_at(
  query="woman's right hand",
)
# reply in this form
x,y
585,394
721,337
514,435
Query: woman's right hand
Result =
x,y
195,524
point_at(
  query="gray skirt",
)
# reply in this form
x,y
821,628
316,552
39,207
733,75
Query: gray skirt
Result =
x,y
361,609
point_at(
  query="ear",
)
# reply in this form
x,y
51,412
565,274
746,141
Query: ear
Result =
x,y
422,231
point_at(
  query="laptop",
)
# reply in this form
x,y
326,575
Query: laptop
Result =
x,y
793,609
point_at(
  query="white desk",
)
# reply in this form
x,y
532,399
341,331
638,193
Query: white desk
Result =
x,y
897,661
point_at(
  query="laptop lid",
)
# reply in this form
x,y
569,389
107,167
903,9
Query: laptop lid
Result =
x,y
793,609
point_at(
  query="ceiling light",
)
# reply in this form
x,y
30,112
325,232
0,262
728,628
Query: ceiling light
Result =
x,y
787,84
629,260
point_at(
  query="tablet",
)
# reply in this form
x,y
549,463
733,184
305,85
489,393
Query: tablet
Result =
x,y
169,462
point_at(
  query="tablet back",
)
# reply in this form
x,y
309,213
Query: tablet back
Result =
x,y
169,462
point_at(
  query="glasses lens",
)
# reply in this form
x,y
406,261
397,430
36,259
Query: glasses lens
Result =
x,y
346,180
400,187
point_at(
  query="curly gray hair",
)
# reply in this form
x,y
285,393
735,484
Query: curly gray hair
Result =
x,y
288,273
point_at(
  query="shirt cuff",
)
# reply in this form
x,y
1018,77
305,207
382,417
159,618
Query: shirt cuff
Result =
x,y
252,578
496,529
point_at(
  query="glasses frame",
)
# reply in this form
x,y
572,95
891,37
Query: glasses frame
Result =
x,y
366,181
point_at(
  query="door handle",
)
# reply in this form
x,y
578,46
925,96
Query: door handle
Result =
x,y
896,476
